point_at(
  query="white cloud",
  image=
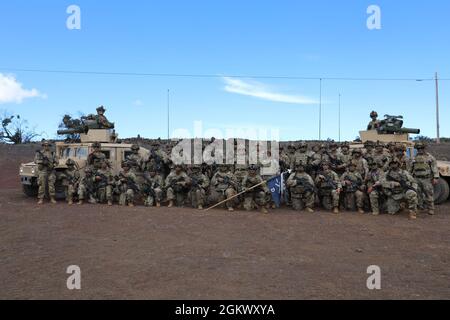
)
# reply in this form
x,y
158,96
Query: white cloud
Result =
x,y
261,91
11,90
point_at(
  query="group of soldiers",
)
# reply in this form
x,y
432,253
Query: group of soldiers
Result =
x,y
374,178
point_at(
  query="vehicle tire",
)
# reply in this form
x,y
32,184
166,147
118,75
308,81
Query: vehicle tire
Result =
x,y
441,191
30,190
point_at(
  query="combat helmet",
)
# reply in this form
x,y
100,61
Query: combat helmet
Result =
x,y
374,114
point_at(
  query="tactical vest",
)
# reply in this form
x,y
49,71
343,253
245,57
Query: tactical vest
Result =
x,y
421,167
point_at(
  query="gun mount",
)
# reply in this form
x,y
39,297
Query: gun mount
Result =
x,y
89,129
394,125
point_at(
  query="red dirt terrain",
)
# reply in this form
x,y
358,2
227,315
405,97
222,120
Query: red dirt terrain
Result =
x,y
160,253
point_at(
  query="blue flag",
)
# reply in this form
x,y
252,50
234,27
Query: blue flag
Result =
x,y
274,185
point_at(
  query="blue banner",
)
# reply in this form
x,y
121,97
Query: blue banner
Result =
x,y
274,186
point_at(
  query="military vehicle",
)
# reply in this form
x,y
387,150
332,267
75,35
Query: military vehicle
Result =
x,y
78,151
391,130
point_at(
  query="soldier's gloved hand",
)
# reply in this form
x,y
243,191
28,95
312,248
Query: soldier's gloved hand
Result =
x,y
435,181
338,190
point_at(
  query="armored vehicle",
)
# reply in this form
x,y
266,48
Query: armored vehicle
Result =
x,y
78,151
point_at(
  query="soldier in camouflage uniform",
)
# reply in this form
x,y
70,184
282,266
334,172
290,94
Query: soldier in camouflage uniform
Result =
x,y
177,184
424,170
360,163
135,160
86,187
369,150
329,186
302,189
352,183
70,179
103,181
153,188
400,155
381,157
302,156
334,159
223,186
374,123
199,185
46,162
399,185
374,187
96,157
344,157
126,183
285,161
101,119
318,157
257,195
158,159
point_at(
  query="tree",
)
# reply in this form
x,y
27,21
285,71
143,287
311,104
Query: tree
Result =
x,y
15,130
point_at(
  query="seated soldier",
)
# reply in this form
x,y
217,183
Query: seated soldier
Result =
x,y
153,187
199,185
86,187
126,184
352,183
329,186
70,180
104,180
302,189
258,195
223,186
177,184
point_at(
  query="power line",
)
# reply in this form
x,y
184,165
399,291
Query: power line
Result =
x,y
144,74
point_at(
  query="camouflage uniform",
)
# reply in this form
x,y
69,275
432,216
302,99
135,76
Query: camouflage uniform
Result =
x,y
374,124
104,180
360,163
70,179
101,120
86,187
398,185
424,170
177,183
223,186
381,157
302,189
301,156
344,157
199,185
127,186
373,184
352,183
96,158
153,188
46,162
329,187
257,195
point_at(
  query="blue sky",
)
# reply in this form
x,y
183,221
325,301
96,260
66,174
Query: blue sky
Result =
x,y
276,38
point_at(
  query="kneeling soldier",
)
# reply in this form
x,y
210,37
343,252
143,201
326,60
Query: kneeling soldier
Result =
x,y
177,183
153,187
329,187
199,184
86,187
399,185
71,178
257,195
224,186
352,183
373,183
104,180
302,189
127,186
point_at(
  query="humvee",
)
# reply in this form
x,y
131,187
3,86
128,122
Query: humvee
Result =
x,y
114,151
441,190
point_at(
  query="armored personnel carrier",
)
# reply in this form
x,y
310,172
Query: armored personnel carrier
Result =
x,y
391,130
78,151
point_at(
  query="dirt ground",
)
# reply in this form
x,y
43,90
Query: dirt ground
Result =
x,y
160,253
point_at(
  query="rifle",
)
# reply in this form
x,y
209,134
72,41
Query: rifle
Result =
x,y
403,183
46,160
129,182
196,183
104,180
329,182
305,185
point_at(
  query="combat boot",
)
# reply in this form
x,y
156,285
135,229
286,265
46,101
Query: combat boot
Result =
x,y
158,204
110,203
200,207
336,210
70,202
52,200
230,209
170,204
310,210
131,204
412,214
375,213
80,202
264,210
431,212
41,201
361,211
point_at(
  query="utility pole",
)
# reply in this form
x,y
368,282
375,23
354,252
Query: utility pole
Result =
x,y
320,110
339,116
438,138
168,115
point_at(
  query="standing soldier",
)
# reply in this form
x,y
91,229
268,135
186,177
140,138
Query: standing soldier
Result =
x,y
381,157
256,195
352,183
127,185
334,159
374,123
329,185
104,180
86,187
369,149
46,162
224,186
398,185
302,189
153,187
344,157
374,188
71,178
135,160
199,185
96,157
177,183
424,170
301,156
318,157
400,154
